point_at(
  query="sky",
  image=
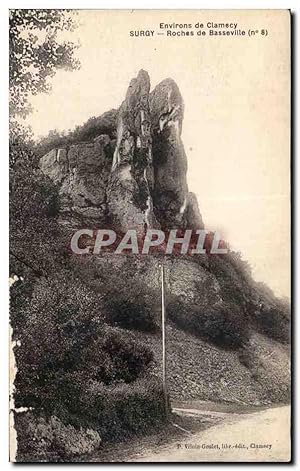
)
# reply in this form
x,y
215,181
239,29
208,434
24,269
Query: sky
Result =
x,y
236,128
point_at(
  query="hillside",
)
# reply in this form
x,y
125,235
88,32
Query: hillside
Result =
x,y
88,327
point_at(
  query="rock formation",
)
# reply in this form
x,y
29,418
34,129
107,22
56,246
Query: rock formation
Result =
x,y
133,175
130,188
174,205
82,173
139,179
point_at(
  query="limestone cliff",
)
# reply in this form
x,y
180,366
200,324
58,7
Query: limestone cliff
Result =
x,y
137,180
81,171
129,193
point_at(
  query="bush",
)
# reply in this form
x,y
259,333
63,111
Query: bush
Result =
x,y
223,325
101,413
123,410
65,343
265,313
50,197
125,310
247,357
127,302
93,127
234,279
48,439
37,241
273,322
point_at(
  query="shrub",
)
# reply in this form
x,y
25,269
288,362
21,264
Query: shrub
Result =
x,y
246,357
132,312
233,277
37,241
223,325
265,313
74,368
48,439
65,343
50,196
123,410
93,127
127,302
101,413
273,322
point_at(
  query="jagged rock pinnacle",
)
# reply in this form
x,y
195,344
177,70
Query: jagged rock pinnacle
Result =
x,y
138,180
129,191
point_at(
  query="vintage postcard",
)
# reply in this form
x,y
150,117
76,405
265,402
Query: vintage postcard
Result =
x,y
150,235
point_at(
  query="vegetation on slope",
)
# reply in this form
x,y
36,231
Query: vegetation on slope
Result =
x,y
74,368
93,127
74,361
78,356
85,366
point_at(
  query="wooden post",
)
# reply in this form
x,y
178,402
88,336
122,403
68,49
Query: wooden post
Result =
x,y
163,330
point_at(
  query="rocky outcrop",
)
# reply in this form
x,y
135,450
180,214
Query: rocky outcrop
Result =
x,y
173,204
129,193
192,216
169,158
137,180
81,172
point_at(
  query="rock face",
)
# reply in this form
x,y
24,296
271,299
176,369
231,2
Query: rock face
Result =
x,y
169,159
131,182
136,181
173,204
82,173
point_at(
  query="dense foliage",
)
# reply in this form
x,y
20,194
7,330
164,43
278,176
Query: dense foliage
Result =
x,y
223,325
67,342
95,126
70,351
36,51
259,308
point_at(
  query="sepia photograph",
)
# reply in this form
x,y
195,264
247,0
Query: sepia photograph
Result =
x,y
150,236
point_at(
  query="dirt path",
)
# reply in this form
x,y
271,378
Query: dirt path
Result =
x,y
259,436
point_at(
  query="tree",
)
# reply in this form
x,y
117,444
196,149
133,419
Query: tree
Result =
x,y
35,53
